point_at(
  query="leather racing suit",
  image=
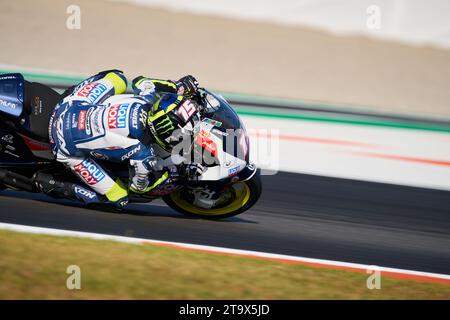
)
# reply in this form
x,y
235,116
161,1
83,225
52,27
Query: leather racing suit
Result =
x,y
96,120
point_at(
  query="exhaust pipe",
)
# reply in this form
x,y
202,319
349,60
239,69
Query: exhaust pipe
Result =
x,y
16,180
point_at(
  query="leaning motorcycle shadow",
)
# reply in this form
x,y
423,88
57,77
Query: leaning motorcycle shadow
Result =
x,y
155,209
162,210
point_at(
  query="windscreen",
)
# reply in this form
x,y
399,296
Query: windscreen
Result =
x,y
226,120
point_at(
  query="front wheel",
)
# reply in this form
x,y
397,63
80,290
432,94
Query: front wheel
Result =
x,y
232,201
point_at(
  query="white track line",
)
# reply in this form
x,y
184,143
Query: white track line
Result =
x,y
330,263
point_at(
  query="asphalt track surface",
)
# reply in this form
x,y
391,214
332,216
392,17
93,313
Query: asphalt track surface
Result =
x,y
302,215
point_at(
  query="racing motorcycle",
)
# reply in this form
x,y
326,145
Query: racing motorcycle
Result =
x,y
230,185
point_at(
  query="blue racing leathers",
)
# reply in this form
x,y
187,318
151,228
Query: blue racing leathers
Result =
x,y
96,120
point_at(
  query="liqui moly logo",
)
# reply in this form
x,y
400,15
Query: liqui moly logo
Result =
x,y
82,120
117,116
90,172
92,91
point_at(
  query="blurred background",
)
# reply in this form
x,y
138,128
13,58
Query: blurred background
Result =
x,y
329,51
355,92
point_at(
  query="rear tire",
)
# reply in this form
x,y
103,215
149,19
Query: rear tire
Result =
x,y
245,198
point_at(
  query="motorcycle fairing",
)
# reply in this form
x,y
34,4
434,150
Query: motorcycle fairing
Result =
x,y
13,150
28,104
12,94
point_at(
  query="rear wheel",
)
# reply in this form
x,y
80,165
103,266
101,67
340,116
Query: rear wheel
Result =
x,y
232,201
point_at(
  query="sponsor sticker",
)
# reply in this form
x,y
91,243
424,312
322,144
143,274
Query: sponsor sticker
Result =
x,y
51,126
88,121
233,171
74,120
89,171
97,124
131,152
135,117
8,138
67,121
85,193
214,130
143,117
117,116
82,120
37,107
212,122
92,91
204,140
7,104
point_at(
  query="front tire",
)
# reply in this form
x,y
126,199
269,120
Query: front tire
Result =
x,y
244,195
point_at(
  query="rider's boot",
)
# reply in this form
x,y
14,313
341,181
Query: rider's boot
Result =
x,y
47,184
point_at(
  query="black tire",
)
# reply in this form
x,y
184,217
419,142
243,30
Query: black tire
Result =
x,y
253,185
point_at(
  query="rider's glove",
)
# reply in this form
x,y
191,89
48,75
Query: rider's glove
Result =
x,y
187,86
143,86
192,171
139,171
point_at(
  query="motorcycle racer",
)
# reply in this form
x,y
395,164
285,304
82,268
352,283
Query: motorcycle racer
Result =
x,y
97,121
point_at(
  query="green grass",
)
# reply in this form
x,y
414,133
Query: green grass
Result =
x,y
34,266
